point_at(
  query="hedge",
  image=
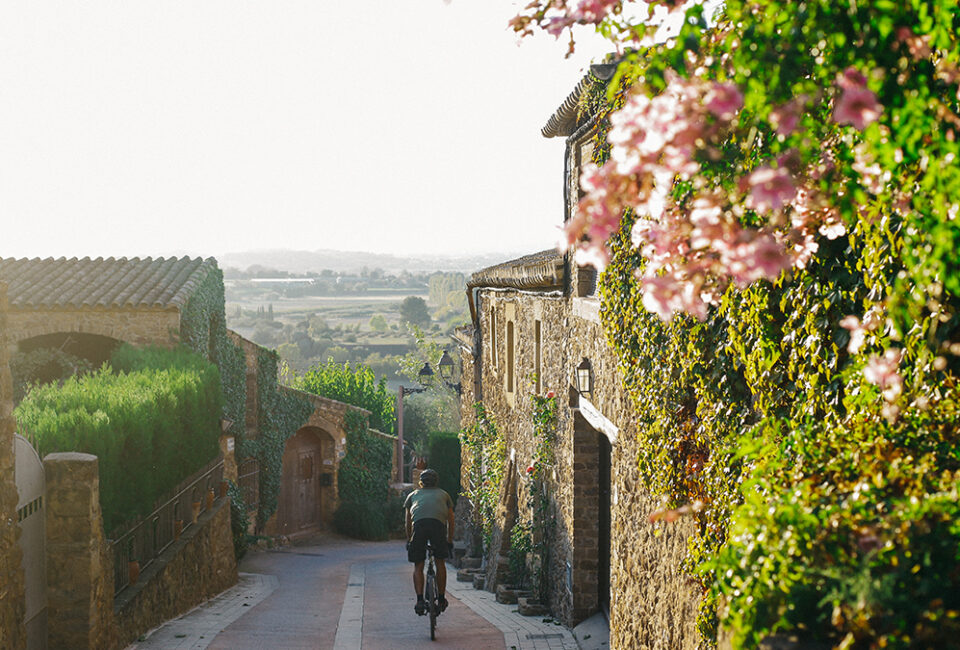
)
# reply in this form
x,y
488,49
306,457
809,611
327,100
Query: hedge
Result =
x,y
444,456
152,423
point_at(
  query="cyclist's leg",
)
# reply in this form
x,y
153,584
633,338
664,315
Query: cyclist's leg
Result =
x,y
418,578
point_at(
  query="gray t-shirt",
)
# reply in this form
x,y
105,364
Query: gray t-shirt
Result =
x,y
428,503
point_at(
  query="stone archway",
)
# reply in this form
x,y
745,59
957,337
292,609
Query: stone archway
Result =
x,y
308,482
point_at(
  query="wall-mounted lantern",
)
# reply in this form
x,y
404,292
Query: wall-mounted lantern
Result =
x,y
445,366
585,377
425,374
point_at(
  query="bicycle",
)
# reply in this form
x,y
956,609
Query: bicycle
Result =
x,y
430,593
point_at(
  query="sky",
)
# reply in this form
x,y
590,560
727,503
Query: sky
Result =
x,y
135,128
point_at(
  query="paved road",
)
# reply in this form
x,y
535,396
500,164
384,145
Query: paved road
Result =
x,y
340,594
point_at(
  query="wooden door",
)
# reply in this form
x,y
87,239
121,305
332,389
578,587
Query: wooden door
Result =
x,y
308,501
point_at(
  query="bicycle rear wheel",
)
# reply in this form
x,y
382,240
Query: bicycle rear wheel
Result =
x,y
430,594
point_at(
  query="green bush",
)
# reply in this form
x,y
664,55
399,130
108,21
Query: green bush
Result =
x,y
355,385
361,519
151,426
444,456
363,481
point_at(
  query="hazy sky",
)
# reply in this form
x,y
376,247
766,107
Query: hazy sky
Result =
x,y
156,128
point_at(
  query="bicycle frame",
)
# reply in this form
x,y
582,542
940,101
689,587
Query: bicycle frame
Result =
x,y
430,593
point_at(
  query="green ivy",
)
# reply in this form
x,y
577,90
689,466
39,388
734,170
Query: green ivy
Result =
x,y
363,479
279,415
828,511
488,453
203,329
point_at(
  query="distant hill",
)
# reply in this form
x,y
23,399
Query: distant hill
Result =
x,y
354,262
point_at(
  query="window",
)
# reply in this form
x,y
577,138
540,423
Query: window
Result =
x,y
510,356
493,337
536,356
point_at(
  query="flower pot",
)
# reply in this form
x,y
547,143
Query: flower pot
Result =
x,y
134,570
177,528
210,496
196,511
223,489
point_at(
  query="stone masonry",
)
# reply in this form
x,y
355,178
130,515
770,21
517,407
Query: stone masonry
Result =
x,y
12,607
198,566
652,605
79,562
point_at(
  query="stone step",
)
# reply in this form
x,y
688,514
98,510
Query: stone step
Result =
x,y
508,595
471,562
531,607
466,575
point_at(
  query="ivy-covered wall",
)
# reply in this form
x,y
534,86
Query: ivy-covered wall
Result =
x,y
279,415
203,328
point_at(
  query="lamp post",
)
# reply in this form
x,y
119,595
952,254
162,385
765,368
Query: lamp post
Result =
x,y
423,377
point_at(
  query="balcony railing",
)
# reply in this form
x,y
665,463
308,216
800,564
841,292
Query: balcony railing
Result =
x,y
146,538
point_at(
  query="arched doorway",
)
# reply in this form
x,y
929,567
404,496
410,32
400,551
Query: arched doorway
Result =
x,y
307,482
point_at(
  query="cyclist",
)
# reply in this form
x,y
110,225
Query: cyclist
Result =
x,y
429,516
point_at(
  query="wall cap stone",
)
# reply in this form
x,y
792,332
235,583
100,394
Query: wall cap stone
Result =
x,y
69,457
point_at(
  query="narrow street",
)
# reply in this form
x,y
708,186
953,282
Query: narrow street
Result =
x,y
344,594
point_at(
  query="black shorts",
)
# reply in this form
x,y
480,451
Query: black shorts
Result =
x,y
428,529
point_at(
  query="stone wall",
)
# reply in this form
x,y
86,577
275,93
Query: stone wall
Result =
x,y
136,326
193,569
652,604
12,632
79,563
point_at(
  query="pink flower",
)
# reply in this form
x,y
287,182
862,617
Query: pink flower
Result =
x,y
550,394
784,119
770,189
856,105
857,333
884,371
724,100
531,469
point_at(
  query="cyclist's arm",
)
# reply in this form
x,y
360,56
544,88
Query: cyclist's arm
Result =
x,y
408,524
450,523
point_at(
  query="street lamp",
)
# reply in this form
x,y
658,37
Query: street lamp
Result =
x,y
445,365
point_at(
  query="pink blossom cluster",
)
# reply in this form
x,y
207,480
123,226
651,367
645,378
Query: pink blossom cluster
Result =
x,y
856,104
559,15
884,371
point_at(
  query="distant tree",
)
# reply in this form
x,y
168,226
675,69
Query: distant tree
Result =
x,y
290,352
413,310
378,323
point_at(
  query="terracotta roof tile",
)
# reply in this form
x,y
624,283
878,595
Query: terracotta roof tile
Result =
x,y
543,270
103,283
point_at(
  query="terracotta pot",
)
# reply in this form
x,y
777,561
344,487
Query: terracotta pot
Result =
x,y
196,511
177,528
134,568
223,489
210,497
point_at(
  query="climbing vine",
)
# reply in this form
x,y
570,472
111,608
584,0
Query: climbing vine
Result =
x,y
203,329
488,453
817,480
363,480
279,414
536,533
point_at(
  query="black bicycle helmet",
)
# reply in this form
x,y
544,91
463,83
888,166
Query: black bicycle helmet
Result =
x,y
429,478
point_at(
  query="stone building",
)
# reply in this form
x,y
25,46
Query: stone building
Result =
x,y
12,632
85,306
535,322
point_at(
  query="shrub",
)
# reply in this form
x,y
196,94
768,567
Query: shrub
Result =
x,y
361,519
444,455
355,385
151,426
363,481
